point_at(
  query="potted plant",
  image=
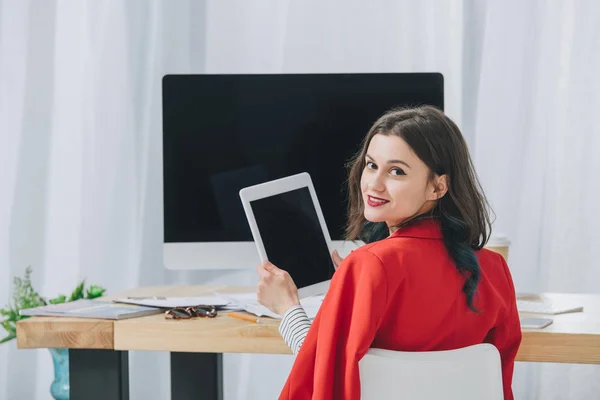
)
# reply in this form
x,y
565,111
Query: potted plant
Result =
x,y
25,296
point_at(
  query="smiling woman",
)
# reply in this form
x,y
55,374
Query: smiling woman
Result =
x,y
396,190
436,162
414,288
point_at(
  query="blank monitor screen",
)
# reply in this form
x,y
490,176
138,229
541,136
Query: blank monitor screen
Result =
x,y
292,236
222,133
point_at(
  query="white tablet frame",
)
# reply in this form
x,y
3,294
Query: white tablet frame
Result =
x,y
276,187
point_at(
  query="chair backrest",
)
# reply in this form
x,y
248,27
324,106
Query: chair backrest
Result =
x,y
470,373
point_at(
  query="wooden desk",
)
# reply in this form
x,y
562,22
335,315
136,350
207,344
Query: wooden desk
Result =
x,y
197,345
572,338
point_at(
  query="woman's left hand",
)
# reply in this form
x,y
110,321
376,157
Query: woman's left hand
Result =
x,y
337,259
276,289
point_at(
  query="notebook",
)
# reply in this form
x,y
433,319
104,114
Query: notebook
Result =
x,y
85,308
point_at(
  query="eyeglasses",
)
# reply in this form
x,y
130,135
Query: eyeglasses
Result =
x,y
191,312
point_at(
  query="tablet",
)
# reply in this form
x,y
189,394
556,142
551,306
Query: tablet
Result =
x,y
289,230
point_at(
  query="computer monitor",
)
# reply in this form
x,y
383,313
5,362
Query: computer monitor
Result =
x,y
222,133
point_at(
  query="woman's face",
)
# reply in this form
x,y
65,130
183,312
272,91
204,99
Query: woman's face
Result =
x,y
395,183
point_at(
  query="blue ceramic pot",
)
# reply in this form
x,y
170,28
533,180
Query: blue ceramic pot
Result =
x,y
60,387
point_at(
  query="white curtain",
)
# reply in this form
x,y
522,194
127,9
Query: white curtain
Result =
x,y
536,149
80,140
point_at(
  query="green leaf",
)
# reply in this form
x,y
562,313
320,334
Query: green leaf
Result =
x,y
11,314
58,300
14,315
8,338
78,292
24,296
9,327
95,291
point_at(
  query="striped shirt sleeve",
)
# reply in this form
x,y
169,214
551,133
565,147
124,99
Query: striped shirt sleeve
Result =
x,y
294,327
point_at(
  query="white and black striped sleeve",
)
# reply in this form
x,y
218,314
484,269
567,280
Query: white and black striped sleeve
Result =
x,y
294,327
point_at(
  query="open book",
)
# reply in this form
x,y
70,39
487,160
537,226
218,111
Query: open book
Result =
x,y
248,302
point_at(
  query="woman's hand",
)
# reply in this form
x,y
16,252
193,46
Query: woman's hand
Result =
x,y
337,260
276,289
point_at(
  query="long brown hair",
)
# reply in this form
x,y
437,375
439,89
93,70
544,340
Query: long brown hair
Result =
x,y
464,211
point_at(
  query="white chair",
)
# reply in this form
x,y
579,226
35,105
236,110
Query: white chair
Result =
x,y
470,373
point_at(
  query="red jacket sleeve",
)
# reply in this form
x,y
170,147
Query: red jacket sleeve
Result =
x,y
506,336
327,365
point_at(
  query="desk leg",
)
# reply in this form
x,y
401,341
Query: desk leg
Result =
x,y
196,376
98,374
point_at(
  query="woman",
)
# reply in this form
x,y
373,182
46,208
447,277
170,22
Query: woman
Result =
x,y
428,286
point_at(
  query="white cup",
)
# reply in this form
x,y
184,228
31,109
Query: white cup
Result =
x,y
499,243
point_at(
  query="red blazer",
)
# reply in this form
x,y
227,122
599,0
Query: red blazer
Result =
x,y
403,293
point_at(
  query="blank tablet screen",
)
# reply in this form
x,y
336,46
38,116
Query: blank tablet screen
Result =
x,y
292,236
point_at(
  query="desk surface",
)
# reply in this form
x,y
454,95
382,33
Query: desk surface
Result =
x,y
572,338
